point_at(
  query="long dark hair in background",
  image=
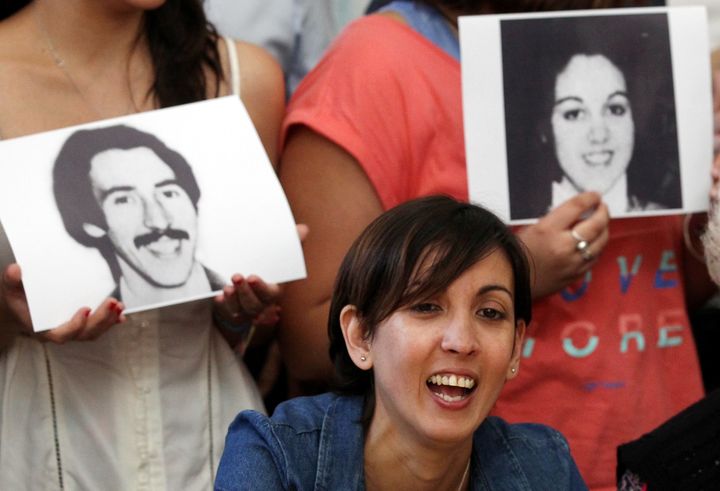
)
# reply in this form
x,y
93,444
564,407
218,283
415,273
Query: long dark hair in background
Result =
x,y
183,45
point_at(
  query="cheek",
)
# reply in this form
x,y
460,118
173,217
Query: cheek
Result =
x,y
568,138
123,221
623,131
181,212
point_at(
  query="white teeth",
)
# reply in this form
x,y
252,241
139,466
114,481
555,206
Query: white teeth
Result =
x,y
452,380
448,398
598,158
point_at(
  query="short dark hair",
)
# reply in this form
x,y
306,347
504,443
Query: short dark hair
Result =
x,y
71,174
438,235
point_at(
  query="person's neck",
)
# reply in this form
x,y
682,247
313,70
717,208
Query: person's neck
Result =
x,y
616,197
394,460
102,50
135,290
90,32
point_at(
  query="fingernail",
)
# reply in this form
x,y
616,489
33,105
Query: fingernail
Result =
x,y
86,313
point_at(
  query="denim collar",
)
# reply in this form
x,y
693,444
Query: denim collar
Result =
x,y
341,447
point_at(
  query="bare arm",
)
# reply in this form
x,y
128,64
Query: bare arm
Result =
x,y
329,192
262,91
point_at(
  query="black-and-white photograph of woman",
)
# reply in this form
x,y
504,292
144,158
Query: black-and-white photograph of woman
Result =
x,y
589,106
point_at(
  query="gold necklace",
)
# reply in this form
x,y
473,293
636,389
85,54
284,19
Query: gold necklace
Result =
x,y
59,62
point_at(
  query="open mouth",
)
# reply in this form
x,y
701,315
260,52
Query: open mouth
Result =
x,y
164,247
598,159
451,387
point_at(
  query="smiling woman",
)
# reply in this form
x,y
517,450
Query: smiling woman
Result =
x,y
426,324
593,111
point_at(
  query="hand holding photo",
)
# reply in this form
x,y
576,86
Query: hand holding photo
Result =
x,y
617,102
152,209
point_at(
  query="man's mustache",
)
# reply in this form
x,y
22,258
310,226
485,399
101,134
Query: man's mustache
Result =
x,y
155,235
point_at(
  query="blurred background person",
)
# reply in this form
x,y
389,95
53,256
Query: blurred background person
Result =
x,y
143,405
296,32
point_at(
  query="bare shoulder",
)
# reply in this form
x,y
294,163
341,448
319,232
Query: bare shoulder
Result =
x,y
262,90
261,74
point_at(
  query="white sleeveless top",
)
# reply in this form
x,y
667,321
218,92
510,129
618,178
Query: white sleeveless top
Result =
x,y
145,407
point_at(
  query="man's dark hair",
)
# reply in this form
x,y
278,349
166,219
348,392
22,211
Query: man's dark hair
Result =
x,y
71,174
411,253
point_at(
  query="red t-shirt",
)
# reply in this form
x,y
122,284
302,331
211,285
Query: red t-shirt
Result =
x,y
605,360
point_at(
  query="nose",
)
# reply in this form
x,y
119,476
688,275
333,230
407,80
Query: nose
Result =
x,y
460,336
599,132
155,216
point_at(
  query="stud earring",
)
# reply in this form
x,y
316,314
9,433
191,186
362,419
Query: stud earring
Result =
x,y
513,369
363,358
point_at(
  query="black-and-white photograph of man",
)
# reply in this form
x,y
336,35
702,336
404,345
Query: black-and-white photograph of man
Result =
x,y
589,106
124,192
152,209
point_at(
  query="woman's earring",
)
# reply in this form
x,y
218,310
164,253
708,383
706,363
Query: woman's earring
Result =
x,y
364,358
513,369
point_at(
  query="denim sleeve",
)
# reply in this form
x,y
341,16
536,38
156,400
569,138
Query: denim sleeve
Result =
x,y
253,458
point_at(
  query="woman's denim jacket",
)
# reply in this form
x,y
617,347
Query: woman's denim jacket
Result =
x,y
316,443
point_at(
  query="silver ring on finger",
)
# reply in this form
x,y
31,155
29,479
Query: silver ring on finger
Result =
x,y
586,254
582,243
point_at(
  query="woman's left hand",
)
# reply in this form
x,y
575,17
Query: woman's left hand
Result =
x,y
566,242
250,302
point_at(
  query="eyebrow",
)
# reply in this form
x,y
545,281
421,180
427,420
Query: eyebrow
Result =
x,y
578,99
619,92
119,189
167,182
493,287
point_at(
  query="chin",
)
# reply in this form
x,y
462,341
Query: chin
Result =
x,y
450,433
140,4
